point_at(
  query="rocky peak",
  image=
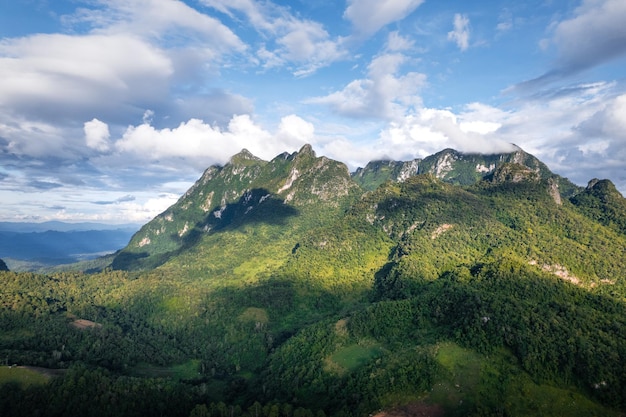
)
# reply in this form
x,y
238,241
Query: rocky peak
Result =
x,y
602,186
244,157
513,172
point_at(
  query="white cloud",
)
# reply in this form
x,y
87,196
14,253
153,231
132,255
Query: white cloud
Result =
x,y
202,144
97,135
286,39
461,33
384,94
430,130
295,132
155,19
594,35
309,45
505,21
32,138
53,77
369,16
396,42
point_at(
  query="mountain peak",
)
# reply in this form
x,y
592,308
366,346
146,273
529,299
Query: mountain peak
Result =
x,y
604,186
244,156
307,150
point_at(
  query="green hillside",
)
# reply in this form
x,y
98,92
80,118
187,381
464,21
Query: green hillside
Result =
x,y
290,288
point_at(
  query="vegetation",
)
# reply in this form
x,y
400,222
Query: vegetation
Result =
x,y
491,298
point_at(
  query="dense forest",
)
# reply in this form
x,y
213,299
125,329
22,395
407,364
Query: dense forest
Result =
x,y
263,293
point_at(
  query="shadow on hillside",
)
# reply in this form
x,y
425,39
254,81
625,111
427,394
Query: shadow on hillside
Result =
x,y
255,206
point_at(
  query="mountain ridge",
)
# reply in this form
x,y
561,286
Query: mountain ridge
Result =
x,y
293,182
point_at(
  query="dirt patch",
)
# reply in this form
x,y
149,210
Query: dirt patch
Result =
x,y
420,409
83,324
441,229
49,372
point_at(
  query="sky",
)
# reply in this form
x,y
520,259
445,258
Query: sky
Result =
x,y
111,109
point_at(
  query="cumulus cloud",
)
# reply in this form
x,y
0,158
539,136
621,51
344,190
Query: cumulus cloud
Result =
x,y
287,40
396,42
383,94
202,144
461,32
575,132
430,130
307,44
369,16
97,135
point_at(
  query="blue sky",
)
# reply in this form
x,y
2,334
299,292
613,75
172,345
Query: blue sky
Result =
x,y
111,109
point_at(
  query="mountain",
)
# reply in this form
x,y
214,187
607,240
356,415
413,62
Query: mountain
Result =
x,y
57,226
246,190
24,249
602,202
456,167
453,285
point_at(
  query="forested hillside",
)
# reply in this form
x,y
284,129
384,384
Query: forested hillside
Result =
x,y
291,288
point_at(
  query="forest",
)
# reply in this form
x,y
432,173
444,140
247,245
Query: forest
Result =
x,y
488,299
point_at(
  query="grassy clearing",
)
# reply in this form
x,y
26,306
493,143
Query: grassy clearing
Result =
x,y
351,357
187,370
254,314
496,383
23,376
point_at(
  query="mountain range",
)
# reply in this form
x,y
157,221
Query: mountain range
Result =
x,y
250,189
40,246
457,284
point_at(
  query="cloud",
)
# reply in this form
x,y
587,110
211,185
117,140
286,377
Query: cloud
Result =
x,y
369,16
593,36
202,144
303,43
170,22
53,77
430,130
505,21
123,199
384,94
461,33
396,42
44,185
286,40
97,135
579,132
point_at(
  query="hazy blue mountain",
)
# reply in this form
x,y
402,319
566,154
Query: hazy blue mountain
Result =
x,y
25,249
26,227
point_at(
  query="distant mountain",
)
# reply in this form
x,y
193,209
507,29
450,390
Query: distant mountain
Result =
x,y
24,249
57,226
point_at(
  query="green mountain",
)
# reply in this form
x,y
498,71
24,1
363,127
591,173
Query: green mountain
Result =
x,y
453,285
245,191
602,202
456,168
